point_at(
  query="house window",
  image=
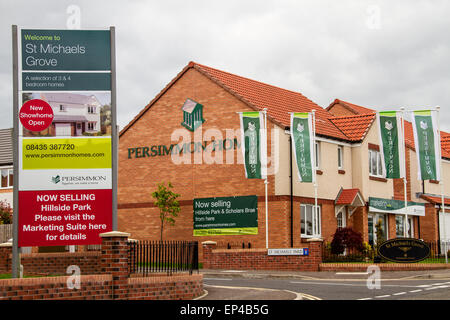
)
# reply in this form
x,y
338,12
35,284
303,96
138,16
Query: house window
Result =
x,y
62,108
91,110
92,125
310,220
399,227
375,166
7,178
340,151
341,223
317,151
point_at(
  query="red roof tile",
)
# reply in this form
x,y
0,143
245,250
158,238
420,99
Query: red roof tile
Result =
x,y
279,102
354,127
356,109
346,196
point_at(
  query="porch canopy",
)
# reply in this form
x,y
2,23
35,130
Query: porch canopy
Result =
x,y
396,206
348,197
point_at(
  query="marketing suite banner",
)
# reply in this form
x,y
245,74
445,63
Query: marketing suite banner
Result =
x,y
226,216
64,138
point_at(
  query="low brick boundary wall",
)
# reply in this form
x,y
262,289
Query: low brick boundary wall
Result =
x,y
112,283
55,288
176,287
57,263
258,259
361,267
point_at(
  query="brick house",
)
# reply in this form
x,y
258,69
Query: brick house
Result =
x,y
346,139
6,166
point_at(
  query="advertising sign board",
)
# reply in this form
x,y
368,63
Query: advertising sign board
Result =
x,y
65,136
226,216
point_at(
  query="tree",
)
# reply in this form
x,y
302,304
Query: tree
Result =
x,y
5,213
166,201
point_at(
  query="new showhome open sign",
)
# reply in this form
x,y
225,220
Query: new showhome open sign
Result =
x,y
65,165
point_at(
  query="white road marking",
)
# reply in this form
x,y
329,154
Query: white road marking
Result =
x,y
365,299
352,273
351,284
414,291
399,293
385,296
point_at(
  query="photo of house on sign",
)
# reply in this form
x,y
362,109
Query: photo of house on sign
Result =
x,y
75,114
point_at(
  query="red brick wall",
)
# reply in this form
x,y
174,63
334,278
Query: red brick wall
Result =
x,y
359,267
258,259
177,287
399,188
138,178
49,288
57,263
114,283
429,224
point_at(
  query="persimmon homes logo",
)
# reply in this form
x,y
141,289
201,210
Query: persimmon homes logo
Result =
x,y
192,115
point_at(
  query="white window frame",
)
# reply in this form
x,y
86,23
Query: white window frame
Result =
x,y
400,223
92,125
379,167
62,108
340,150
316,222
10,184
342,217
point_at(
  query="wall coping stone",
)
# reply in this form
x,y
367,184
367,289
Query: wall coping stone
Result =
x,y
208,242
113,234
6,244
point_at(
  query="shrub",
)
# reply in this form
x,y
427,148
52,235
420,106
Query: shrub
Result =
x,y
5,213
346,238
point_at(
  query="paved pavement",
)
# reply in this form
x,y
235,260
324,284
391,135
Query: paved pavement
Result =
x,y
215,292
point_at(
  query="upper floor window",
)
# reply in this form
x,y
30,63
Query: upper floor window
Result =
x,y
62,108
375,166
91,110
340,154
7,177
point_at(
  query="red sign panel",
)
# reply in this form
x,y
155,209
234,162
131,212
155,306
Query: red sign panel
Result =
x,y
36,115
66,217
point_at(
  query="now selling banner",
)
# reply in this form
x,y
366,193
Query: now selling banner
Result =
x,y
302,145
428,149
391,138
253,137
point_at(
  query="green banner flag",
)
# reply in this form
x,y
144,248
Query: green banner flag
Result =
x,y
302,145
253,136
428,147
391,139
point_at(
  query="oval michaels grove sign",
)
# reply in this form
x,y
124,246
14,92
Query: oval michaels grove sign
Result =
x,y
404,250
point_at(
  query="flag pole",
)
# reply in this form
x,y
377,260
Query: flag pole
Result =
x,y
266,182
403,148
315,164
441,182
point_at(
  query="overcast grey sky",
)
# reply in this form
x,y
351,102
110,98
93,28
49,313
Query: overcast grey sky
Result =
x,y
378,54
